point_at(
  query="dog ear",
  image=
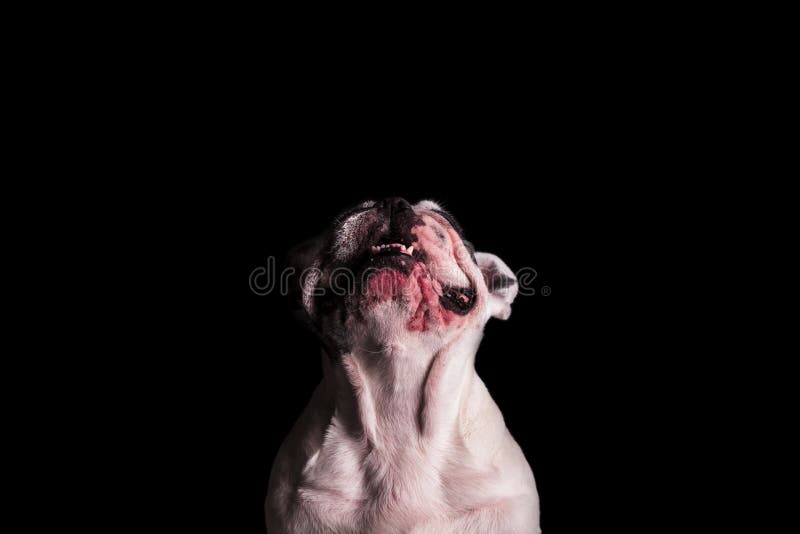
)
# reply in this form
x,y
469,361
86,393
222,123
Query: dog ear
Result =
x,y
501,282
304,261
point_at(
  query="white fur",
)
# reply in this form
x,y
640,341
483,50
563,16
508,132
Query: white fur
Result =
x,y
427,205
344,245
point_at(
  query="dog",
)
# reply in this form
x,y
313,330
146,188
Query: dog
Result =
x,y
401,435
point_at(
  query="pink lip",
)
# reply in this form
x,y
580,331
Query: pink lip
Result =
x,y
417,290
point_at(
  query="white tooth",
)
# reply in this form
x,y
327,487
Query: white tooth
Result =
x,y
403,248
409,250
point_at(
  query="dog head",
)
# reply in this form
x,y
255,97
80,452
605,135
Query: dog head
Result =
x,y
388,271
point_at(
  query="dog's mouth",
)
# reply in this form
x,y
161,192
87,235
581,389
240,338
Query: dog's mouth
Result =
x,y
458,299
393,255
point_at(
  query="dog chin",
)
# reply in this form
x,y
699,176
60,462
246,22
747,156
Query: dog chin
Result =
x,y
410,298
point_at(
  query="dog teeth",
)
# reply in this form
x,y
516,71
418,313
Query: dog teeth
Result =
x,y
396,246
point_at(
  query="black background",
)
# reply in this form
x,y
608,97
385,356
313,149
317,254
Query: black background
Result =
x,y
545,177
247,369
578,153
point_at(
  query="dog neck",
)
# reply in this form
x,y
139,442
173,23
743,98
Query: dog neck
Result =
x,y
394,392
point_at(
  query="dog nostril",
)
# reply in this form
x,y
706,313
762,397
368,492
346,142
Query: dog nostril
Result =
x,y
396,204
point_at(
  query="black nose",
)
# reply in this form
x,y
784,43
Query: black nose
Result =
x,y
395,205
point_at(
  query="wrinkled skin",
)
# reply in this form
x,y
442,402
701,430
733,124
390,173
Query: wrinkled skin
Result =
x,y
401,435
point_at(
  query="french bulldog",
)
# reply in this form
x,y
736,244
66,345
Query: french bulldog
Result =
x,y
401,435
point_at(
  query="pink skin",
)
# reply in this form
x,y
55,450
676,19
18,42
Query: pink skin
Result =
x,y
418,289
